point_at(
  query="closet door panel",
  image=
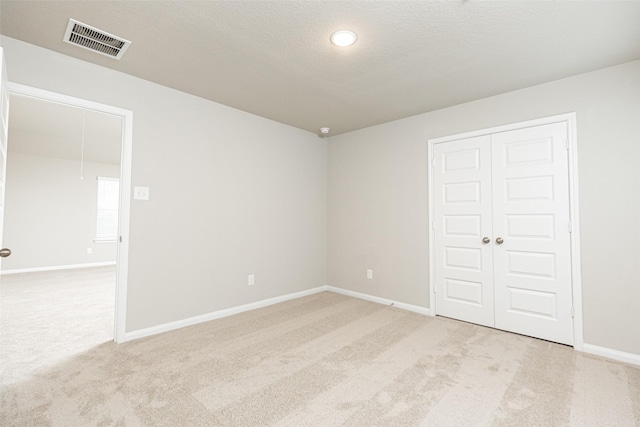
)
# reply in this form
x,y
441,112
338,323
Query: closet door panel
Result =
x,y
532,265
462,195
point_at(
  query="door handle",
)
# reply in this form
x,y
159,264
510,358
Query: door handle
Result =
x,y
486,240
4,252
499,241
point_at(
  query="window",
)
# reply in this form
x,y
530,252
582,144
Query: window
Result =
x,y
108,201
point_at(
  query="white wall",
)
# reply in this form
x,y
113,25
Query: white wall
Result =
x,y
234,194
231,193
50,214
378,198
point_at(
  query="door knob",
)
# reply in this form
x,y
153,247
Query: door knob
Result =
x,y
499,240
4,252
486,240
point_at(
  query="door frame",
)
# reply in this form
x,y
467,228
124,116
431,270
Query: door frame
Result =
x,y
122,258
576,277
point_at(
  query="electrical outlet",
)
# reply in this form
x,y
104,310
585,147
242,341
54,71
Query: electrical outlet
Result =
x,y
89,251
252,279
369,274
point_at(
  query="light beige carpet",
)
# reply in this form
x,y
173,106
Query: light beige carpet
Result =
x,y
47,317
322,360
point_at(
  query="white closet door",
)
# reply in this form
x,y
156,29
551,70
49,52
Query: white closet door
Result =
x,y
462,191
532,267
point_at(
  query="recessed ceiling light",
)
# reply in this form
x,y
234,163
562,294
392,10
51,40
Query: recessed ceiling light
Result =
x,y
344,38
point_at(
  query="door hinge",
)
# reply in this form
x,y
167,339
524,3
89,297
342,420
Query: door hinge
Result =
x,y
570,227
572,312
433,225
566,142
120,239
433,161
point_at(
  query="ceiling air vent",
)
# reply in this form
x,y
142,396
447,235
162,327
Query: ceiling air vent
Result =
x,y
99,41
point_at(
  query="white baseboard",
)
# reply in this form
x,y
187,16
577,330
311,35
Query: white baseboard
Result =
x,y
620,356
166,327
378,300
58,267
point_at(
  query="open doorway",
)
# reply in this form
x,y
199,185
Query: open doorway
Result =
x,y
63,169
61,223
65,155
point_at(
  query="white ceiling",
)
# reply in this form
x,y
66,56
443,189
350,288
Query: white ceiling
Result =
x,y
54,130
274,58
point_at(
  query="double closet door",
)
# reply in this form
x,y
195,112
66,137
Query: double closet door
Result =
x,y
502,231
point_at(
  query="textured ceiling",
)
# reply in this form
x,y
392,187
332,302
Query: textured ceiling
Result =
x,y
274,58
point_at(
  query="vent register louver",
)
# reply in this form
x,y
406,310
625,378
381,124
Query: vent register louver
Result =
x,y
96,40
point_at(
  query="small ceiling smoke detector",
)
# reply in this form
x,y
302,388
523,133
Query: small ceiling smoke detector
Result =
x,y
343,38
324,131
88,37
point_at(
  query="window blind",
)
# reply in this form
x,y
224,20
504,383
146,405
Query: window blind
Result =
x,y
108,201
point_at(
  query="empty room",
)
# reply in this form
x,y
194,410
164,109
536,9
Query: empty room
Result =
x,y
329,213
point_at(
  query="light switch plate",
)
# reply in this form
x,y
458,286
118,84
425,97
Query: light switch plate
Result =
x,y
141,193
